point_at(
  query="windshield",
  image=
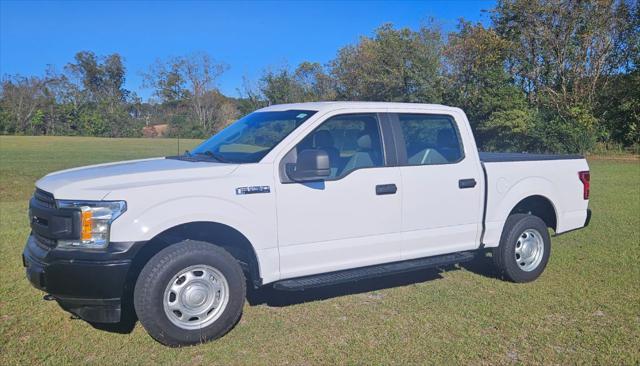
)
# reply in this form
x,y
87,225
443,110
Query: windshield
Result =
x,y
250,138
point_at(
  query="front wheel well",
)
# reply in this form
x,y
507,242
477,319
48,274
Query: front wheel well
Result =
x,y
539,206
217,234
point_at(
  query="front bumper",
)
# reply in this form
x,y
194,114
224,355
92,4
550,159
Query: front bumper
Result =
x,y
88,283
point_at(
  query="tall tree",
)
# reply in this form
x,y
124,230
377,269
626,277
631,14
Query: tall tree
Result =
x,y
167,80
20,98
251,97
89,74
201,73
395,65
314,82
114,78
308,82
192,79
478,83
280,86
562,52
103,110
102,78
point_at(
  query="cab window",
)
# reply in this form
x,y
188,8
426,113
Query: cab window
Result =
x,y
351,141
430,139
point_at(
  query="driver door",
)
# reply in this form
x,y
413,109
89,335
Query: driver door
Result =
x,y
351,218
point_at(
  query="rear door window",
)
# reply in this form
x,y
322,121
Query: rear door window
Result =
x,y
430,139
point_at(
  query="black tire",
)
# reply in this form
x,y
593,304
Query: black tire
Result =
x,y
161,269
504,255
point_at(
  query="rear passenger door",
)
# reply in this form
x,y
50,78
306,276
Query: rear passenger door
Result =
x,y
441,200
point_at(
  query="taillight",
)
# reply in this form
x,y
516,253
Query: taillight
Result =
x,y
584,178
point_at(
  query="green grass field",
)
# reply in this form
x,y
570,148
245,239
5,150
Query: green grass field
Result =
x,y
585,309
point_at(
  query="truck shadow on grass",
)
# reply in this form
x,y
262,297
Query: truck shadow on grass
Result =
x,y
278,298
269,296
482,265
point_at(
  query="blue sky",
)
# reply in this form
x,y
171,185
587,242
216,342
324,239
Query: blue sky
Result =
x,y
247,36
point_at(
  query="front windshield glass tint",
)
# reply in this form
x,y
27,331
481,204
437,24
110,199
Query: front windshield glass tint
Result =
x,y
249,139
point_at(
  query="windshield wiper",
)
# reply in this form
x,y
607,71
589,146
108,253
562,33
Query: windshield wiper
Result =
x,y
215,156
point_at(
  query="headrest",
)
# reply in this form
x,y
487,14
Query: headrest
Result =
x,y
364,142
323,139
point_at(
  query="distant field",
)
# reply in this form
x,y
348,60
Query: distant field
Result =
x,y
585,309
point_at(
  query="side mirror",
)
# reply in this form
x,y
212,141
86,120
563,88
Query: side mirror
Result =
x,y
311,165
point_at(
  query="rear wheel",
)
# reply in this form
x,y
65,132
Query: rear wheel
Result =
x,y
524,248
189,293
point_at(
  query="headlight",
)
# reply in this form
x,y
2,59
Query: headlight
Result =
x,y
95,220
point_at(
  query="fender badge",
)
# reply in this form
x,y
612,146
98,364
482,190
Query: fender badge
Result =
x,y
253,189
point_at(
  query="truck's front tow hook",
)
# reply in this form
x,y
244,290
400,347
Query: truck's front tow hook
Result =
x,y
48,297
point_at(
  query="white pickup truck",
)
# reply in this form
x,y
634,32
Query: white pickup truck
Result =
x,y
294,196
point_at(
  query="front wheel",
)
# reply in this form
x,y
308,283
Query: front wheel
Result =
x,y
190,292
524,248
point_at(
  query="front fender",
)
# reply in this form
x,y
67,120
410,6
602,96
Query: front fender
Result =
x,y
145,224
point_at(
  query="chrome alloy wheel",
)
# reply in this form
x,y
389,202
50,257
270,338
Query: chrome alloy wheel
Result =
x,y
529,250
196,297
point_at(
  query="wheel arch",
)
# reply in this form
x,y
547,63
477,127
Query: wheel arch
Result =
x,y
540,206
219,234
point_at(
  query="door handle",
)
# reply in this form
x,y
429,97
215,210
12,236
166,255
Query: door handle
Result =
x,y
386,189
466,183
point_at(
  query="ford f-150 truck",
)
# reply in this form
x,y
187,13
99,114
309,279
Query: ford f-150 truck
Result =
x,y
293,196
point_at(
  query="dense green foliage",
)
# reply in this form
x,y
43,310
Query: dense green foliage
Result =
x,y
583,310
546,75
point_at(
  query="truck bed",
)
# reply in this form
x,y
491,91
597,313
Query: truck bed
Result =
x,y
495,157
511,176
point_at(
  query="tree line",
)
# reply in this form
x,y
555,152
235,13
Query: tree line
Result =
x,y
546,75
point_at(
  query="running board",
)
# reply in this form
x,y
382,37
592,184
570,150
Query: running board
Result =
x,y
362,273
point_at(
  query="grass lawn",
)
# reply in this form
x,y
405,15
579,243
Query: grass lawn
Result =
x,y
584,309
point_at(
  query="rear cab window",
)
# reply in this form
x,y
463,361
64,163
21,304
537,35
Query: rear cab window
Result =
x,y
430,139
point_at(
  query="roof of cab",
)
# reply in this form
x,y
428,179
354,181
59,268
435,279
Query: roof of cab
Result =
x,y
329,106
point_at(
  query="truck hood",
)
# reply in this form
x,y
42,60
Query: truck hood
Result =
x,y
94,182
